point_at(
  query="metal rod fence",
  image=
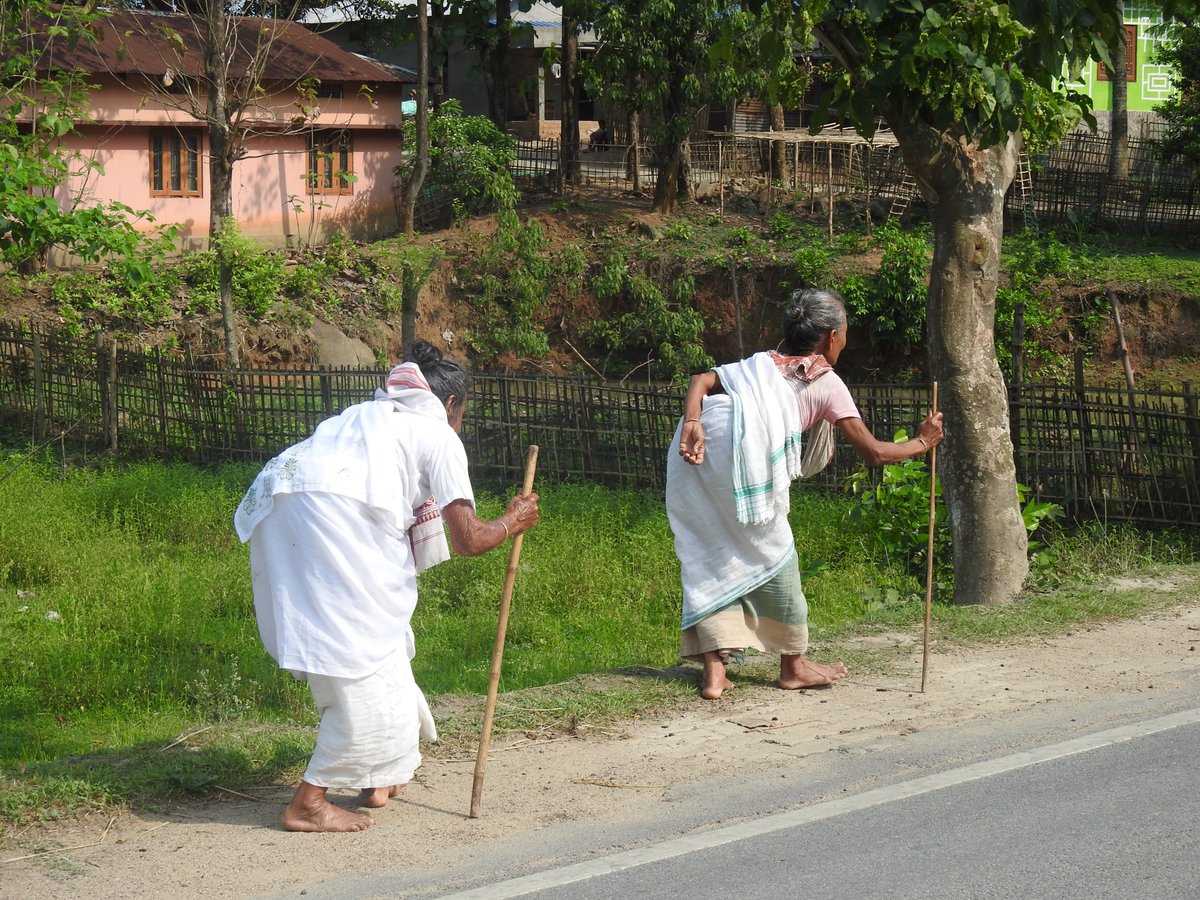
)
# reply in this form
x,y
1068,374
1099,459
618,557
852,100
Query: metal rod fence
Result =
x,y
1103,453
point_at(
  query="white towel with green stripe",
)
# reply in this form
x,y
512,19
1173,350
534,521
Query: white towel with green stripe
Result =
x,y
766,438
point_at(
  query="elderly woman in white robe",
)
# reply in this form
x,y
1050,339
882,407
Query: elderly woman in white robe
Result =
x,y
748,429
339,526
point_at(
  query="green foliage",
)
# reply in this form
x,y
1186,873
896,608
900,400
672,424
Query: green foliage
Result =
x,y
1181,111
258,275
893,508
660,331
811,264
895,511
669,59
508,287
891,305
309,282
680,231
902,285
1029,259
82,291
781,226
469,159
983,70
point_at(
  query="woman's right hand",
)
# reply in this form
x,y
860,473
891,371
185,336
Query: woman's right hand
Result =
x,y
691,441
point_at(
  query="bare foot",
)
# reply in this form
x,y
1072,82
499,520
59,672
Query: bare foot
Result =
x,y
714,681
310,811
374,798
796,672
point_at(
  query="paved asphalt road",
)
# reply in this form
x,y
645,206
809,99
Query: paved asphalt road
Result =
x,y
1085,800
1109,820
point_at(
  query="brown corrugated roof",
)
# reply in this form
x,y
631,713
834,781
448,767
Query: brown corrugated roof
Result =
x,y
132,42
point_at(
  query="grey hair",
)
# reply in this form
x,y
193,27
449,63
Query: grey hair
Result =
x,y
446,377
811,314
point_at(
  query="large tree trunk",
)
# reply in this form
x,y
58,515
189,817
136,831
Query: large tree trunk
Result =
x,y
976,460
778,148
1118,160
416,176
569,164
666,189
222,152
670,153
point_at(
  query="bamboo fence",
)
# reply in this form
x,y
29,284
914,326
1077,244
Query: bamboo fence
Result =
x,y
1102,453
1068,184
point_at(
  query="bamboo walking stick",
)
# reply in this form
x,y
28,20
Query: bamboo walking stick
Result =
x,y
929,552
510,577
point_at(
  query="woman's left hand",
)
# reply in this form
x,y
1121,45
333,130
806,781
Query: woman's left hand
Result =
x,y
521,513
930,431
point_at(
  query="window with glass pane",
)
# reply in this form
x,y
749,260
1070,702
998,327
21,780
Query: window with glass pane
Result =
x,y
175,163
329,163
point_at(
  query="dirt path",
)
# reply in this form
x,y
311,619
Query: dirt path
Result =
x,y
232,847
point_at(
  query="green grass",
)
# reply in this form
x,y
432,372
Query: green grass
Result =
x,y
131,669
1149,265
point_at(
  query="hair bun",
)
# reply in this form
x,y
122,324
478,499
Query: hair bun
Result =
x,y
424,354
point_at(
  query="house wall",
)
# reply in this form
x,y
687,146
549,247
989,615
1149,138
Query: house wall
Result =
x,y
270,198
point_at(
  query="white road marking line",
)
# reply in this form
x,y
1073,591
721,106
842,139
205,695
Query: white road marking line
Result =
x,y
694,843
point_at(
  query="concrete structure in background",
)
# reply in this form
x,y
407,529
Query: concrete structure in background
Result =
x,y
535,89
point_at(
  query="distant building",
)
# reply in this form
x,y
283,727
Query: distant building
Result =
x,y
290,182
534,84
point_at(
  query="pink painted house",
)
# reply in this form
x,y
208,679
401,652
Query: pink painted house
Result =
x,y
314,162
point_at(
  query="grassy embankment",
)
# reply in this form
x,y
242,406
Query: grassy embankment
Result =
x,y
130,666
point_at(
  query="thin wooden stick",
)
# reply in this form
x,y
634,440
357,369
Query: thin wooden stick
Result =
x,y
929,551
510,577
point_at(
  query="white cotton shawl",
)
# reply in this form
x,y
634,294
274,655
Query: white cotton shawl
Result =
x,y
353,455
720,558
407,388
766,431
752,454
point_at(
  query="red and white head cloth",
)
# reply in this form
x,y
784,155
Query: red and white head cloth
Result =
x,y
407,388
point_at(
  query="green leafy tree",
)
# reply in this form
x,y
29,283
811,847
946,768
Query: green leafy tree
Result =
x,y
656,58
41,103
1182,111
469,160
964,85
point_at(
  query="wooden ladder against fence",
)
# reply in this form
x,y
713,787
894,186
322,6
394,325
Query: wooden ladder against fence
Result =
x,y
905,194
1024,185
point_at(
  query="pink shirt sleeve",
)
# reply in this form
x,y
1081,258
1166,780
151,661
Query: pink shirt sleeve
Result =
x,y
826,399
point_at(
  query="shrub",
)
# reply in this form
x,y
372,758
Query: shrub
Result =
x,y
258,276
469,159
661,331
508,288
891,306
895,511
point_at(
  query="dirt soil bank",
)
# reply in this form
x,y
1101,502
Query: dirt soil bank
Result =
x,y
233,848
